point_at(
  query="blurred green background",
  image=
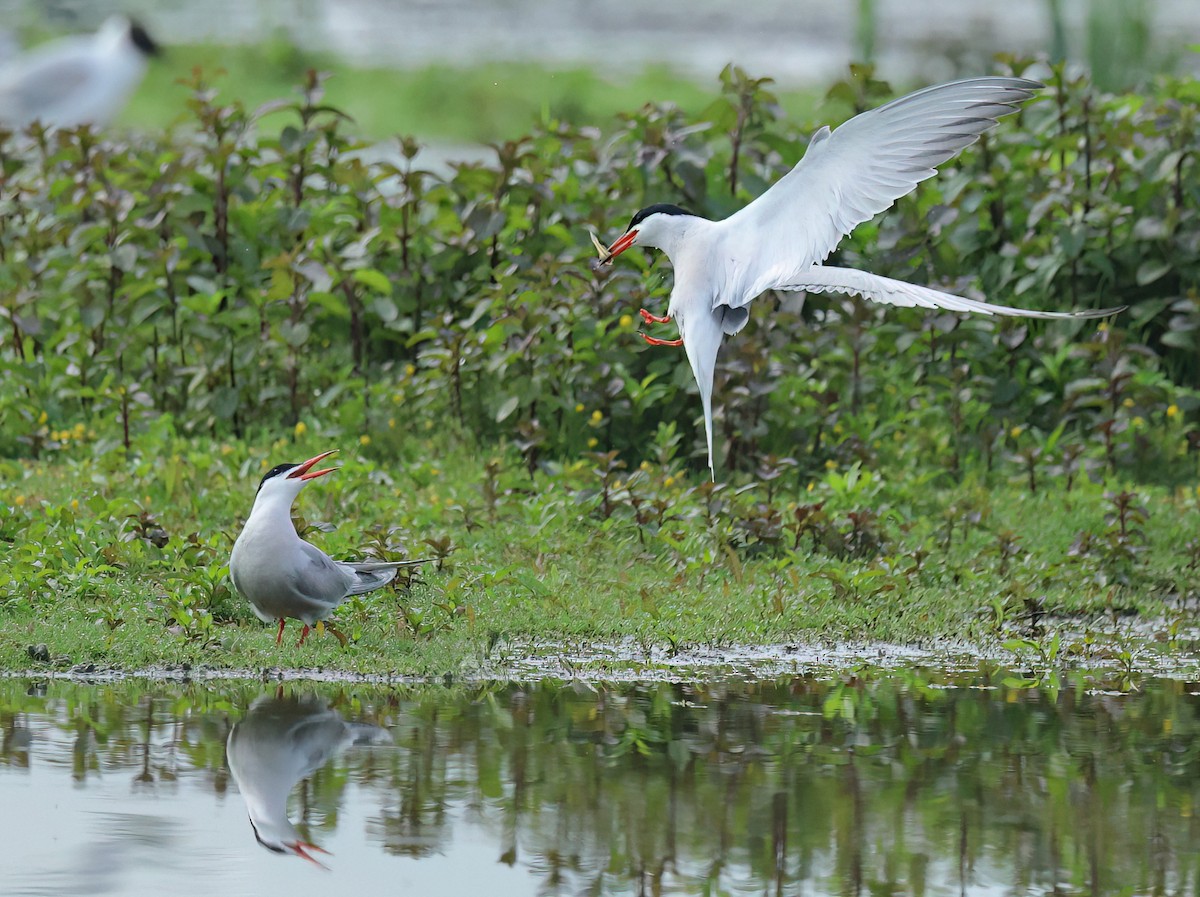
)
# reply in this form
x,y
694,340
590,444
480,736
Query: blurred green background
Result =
x,y
473,71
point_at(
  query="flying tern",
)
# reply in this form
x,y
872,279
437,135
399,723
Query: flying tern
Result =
x,y
778,241
280,741
283,576
83,79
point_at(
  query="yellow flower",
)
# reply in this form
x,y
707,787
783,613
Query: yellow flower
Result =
x,y
80,430
1016,431
669,482
1128,403
43,417
1139,422
364,439
74,504
1172,410
593,442
831,464
301,428
579,408
810,486
626,320
597,416
645,466
20,500
391,423
409,370
434,472
227,450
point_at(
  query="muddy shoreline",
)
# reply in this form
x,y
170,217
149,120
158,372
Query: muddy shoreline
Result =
x,y
629,662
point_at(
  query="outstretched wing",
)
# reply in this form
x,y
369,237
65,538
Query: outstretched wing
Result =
x,y
855,172
824,279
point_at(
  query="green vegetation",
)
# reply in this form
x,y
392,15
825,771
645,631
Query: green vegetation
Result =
x,y
473,104
119,558
180,313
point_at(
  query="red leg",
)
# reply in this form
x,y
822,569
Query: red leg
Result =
x,y
655,341
303,635
279,634
654,319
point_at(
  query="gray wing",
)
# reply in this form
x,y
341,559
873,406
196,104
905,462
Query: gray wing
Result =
x,y
848,176
320,580
372,575
368,576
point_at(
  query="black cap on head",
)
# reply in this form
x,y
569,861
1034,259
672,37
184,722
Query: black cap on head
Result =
x,y
142,40
275,471
661,208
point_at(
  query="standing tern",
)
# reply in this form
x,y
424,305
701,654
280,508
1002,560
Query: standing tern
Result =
x,y
283,576
83,79
280,741
777,242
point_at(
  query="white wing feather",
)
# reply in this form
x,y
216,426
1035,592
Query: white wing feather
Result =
x,y
824,279
850,175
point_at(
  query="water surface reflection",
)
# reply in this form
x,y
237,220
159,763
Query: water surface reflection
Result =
x,y
281,740
850,786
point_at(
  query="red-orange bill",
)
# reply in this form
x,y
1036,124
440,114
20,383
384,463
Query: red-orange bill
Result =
x,y
305,471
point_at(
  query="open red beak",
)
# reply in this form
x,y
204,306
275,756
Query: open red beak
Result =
x,y
623,243
305,471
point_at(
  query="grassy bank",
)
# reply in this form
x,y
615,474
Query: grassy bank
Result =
x,y
119,558
473,104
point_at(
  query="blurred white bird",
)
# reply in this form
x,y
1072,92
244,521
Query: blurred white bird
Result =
x,y
83,79
276,744
283,576
776,242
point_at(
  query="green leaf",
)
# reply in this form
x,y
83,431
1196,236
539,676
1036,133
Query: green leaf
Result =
x,y
1151,270
124,257
374,279
282,285
507,407
385,308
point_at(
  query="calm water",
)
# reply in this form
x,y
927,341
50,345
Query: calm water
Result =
x,y
797,786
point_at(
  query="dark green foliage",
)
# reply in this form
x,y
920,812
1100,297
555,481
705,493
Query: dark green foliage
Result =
x,y
256,271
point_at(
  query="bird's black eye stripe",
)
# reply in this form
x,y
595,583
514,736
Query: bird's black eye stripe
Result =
x,y
275,471
662,208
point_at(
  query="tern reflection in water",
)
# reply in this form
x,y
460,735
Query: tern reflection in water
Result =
x,y
280,741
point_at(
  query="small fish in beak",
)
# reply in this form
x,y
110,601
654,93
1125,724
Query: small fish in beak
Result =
x,y
605,257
